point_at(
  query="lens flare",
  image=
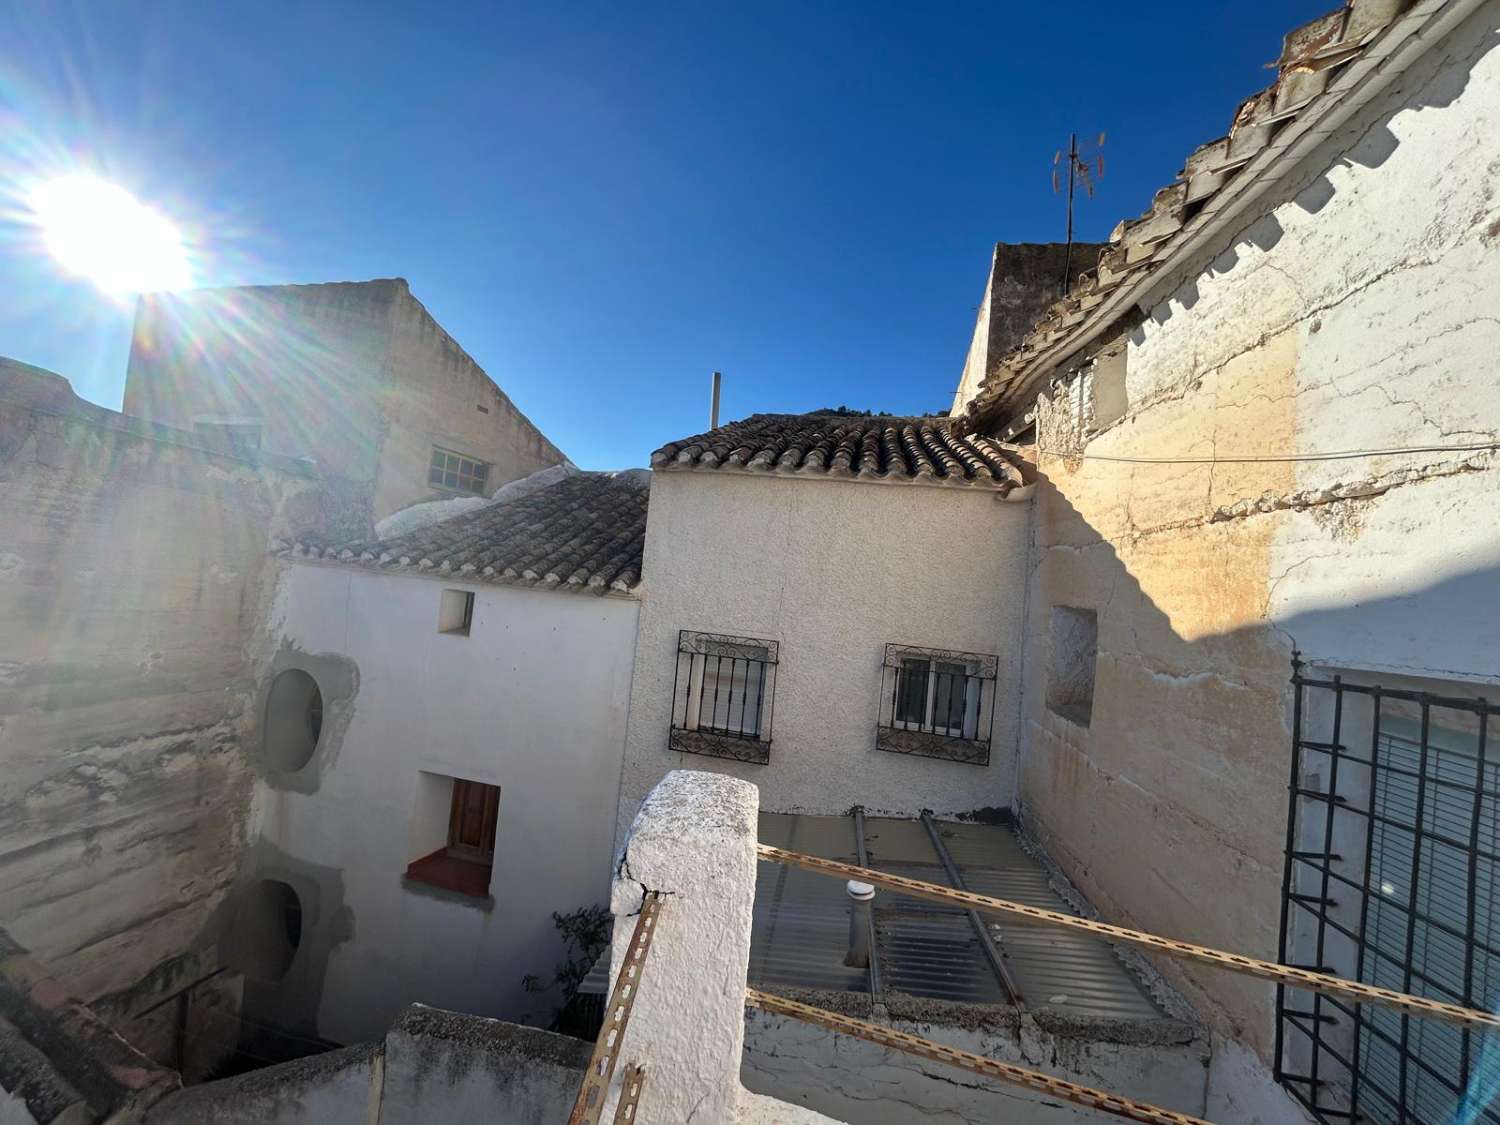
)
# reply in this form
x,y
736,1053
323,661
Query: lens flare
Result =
x,y
99,231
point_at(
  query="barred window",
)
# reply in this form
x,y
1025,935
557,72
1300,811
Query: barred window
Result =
x,y
454,470
936,703
1391,879
721,702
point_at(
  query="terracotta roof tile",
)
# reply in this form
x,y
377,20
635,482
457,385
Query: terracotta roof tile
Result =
x,y
1313,59
586,532
854,447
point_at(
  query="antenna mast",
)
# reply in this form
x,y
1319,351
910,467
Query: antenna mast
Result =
x,y
1079,171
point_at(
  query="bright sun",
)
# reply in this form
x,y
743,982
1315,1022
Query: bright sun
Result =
x,y
99,231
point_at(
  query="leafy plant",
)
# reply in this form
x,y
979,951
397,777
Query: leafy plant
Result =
x,y
585,934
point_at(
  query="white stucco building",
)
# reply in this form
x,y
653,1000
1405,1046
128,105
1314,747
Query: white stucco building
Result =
x,y
868,576
453,780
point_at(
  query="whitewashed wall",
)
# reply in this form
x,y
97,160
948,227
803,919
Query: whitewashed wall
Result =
x,y
1356,311
533,700
833,571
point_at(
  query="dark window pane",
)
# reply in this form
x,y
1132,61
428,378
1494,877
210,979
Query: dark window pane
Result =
x,y
911,692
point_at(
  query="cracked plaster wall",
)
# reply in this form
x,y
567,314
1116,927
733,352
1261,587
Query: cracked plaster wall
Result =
x,y
133,577
850,1079
1357,312
833,571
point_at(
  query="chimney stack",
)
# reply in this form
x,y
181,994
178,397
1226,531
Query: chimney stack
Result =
x,y
713,410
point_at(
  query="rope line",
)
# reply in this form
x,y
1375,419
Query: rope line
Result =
x,y
1127,1108
1232,962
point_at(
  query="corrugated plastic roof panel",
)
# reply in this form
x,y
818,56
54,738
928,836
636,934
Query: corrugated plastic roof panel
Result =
x,y
801,929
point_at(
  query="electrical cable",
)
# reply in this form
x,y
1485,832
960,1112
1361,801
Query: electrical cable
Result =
x,y
1334,455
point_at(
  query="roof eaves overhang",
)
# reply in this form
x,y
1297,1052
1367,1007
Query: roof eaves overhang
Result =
x,y
405,566
890,480
1160,260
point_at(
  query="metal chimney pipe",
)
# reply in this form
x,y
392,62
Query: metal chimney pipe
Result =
x,y
713,410
861,895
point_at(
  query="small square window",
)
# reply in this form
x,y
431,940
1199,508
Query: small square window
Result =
x,y
456,612
464,862
722,699
1075,651
453,470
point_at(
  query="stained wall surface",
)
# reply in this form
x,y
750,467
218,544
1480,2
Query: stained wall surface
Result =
x,y
1024,278
133,577
1355,313
532,700
832,571
357,375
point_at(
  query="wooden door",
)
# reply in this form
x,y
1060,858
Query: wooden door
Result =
x,y
472,820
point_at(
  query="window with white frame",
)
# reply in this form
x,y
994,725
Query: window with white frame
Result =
x,y
453,470
722,696
941,696
936,703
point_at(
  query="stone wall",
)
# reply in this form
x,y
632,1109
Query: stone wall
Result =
x,y
357,375
1353,314
1024,278
133,575
432,1066
853,1080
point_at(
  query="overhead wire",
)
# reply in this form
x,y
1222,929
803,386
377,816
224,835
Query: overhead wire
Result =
x,y
1281,458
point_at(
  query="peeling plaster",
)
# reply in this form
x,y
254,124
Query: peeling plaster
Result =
x,y
337,677
292,1003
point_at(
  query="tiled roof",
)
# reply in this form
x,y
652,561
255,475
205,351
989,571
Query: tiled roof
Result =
x,y
840,446
585,532
1320,63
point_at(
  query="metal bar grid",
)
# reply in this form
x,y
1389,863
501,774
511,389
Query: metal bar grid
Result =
x,y
724,686
1231,962
992,951
976,1064
1407,910
591,1095
937,703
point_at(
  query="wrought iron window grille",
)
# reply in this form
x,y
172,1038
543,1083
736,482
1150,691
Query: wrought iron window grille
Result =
x,y
936,703
722,699
1393,841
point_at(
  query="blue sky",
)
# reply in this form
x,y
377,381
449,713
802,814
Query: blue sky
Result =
x,y
604,203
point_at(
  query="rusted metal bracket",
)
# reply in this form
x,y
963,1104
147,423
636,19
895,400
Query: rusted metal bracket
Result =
x,y
590,1102
631,1083
1231,962
976,1064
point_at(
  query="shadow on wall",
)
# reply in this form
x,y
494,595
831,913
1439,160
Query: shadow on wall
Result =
x,y
1157,708
1165,784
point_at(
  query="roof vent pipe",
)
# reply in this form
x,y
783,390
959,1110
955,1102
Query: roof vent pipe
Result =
x,y
861,895
713,409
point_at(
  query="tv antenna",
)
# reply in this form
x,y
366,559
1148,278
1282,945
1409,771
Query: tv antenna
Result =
x,y
1086,167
